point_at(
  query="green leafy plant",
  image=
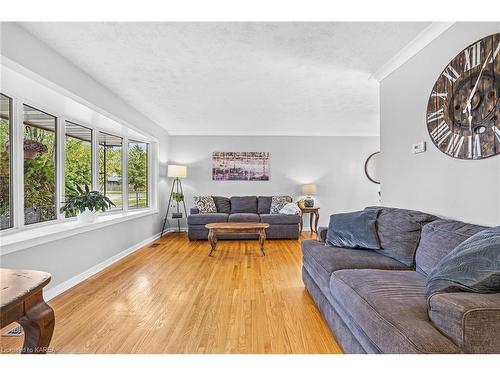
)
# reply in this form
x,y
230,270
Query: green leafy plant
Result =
x,y
82,199
178,197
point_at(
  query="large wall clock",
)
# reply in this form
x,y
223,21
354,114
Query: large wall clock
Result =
x,y
463,112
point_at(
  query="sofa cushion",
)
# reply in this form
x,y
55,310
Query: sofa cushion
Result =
x,y
390,308
244,218
473,266
470,320
354,230
202,219
264,205
244,205
280,219
223,204
438,239
323,260
399,232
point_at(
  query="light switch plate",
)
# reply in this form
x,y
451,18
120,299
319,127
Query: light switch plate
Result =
x,y
418,148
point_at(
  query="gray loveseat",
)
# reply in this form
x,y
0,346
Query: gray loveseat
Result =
x,y
374,301
244,209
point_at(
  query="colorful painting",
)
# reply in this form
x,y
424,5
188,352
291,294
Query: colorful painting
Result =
x,y
240,166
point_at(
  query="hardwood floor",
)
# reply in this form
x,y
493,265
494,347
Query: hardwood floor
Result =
x,y
174,298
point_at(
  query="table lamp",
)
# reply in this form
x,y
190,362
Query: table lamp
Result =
x,y
309,190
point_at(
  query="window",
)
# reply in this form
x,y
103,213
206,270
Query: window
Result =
x,y
110,167
43,157
137,170
78,151
39,166
5,162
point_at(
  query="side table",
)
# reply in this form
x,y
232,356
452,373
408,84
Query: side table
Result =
x,y
313,213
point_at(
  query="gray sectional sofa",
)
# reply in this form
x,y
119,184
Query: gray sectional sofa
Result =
x,y
244,209
374,300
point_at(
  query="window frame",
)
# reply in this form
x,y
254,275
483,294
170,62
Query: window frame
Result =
x,y
57,150
92,164
124,165
17,164
148,172
11,164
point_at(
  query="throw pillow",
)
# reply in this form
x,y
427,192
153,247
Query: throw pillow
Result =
x,y
473,266
205,204
354,230
222,204
278,202
290,209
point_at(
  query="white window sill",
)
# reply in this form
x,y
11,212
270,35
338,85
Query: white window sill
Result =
x,y
29,237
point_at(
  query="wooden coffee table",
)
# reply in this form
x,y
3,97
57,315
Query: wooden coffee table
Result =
x,y
214,229
21,300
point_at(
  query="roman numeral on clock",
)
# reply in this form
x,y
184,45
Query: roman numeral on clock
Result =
x,y
455,145
441,133
441,95
477,146
451,74
495,53
497,132
472,56
434,116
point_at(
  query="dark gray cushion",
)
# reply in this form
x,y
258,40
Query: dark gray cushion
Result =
x,y
202,219
264,205
244,218
280,219
399,232
244,205
354,230
223,204
323,260
473,266
438,239
390,308
470,320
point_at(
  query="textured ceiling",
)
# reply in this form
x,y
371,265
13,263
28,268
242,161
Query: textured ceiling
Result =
x,y
248,78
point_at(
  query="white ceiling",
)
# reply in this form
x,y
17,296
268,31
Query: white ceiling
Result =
x,y
239,78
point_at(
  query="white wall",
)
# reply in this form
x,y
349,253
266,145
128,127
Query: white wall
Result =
x,y
335,164
71,256
467,190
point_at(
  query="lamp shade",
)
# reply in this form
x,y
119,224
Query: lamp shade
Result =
x,y
309,189
177,171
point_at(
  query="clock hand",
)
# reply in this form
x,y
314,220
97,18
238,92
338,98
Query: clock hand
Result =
x,y
477,82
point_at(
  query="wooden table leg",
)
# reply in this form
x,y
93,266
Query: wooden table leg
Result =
x,y
262,239
316,221
38,325
212,237
311,221
301,222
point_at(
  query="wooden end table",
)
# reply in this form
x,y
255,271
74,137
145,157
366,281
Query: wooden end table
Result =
x,y
21,300
214,229
313,212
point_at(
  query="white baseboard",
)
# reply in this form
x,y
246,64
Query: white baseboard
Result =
x,y
70,283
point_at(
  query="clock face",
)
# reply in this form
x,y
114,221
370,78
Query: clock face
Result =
x,y
463,112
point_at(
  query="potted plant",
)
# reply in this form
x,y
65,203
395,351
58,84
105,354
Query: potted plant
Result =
x,y
32,148
85,204
178,197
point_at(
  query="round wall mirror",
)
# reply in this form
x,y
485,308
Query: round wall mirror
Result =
x,y
372,167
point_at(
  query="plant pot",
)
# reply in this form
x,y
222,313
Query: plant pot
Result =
x,y
30,154
86,216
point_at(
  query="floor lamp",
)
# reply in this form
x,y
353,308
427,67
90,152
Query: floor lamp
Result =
x,y
176,172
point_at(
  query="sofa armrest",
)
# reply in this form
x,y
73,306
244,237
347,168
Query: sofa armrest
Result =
x,y
194,210
322,233
470,320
